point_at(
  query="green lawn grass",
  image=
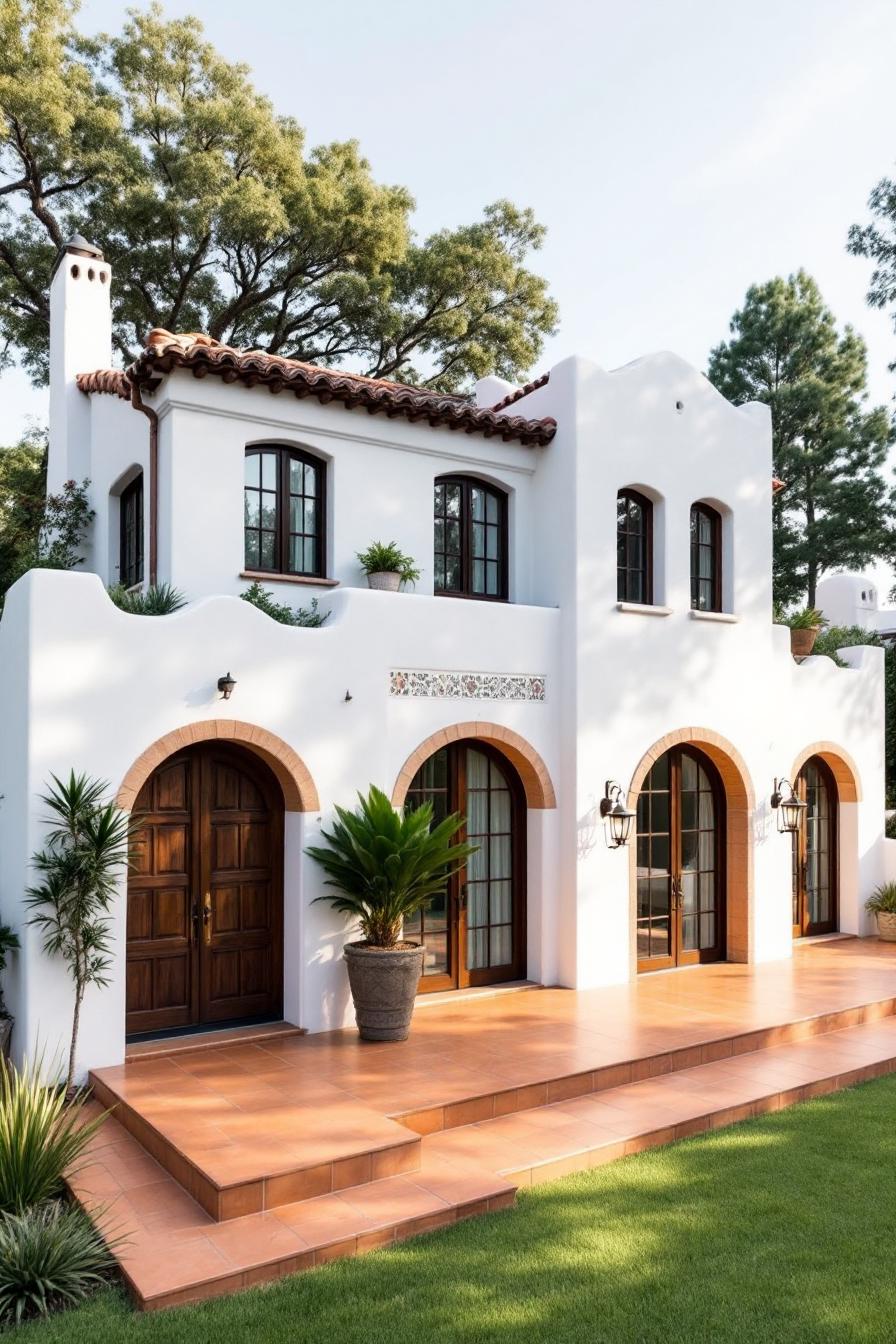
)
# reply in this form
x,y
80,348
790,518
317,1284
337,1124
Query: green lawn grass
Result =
x,y
779,1229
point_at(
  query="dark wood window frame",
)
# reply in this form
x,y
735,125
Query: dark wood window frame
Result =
x,y
282,533
130,532
467,485
802,926
712,582
626,573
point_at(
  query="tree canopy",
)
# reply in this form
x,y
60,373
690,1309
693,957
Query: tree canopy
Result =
x,y
837,508
877,242
217,217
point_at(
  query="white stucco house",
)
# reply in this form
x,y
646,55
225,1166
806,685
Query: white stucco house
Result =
x,y
595,607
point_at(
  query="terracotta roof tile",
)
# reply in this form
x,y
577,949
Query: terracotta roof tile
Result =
x,y
205,356
521,392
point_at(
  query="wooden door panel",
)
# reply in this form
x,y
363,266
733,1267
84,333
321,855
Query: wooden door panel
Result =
x,y
212,833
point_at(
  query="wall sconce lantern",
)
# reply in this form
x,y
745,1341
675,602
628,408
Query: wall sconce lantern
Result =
x,y
788,806
619,819
225,686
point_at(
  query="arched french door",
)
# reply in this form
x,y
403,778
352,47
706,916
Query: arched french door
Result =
x,y
680,897
815,852
475,934
205,893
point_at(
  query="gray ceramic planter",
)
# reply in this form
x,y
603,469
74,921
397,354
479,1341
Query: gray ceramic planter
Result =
x,y
384,986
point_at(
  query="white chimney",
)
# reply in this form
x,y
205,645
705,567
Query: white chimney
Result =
x,y
490,390
80,341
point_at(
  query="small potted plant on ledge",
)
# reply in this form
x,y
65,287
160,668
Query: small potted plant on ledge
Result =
x,y
385,866
387,567
805,626
883,904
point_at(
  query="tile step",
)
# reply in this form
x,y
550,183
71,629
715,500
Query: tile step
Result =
x,y
551,1141
171,1251
274,1156
563,1087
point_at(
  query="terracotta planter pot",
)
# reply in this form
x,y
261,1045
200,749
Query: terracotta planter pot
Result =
x,y
389,580
384,985
886,927
802,642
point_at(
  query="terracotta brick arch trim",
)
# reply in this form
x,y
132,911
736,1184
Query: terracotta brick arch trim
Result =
x,y
740,803
523,757
299,791
841,765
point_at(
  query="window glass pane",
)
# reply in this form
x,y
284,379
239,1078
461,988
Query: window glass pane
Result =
x,y
689,893
310,480
491,543
252,550
268,510
500,902
478,576
252,510
491,508
252,469
478,539
477,499
689,933
500,856
477,948
268,470
296,475
501,953
267,550
452,501
491,578
310,556
477,769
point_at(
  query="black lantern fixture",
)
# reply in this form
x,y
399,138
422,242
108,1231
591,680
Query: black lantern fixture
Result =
x,y
225,686
788,806
619,819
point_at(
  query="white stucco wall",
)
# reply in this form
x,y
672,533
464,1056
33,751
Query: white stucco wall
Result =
x,y
84,686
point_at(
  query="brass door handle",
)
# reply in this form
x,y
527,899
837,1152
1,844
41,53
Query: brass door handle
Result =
x,y
462,899
195,915
676,894
207,918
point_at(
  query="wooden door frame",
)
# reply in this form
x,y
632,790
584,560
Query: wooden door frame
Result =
x,y
458,976
803,929
699,956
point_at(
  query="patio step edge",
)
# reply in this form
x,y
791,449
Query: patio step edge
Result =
x,y
271,1189
563,1087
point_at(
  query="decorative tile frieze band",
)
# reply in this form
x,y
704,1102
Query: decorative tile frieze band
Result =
x,y
466,685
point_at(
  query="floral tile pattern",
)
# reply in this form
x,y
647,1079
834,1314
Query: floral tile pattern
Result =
x,y
466,685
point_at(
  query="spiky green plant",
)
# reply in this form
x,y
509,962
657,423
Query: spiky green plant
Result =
x,y
159,599
41,1137
50,1256
385,865
86,848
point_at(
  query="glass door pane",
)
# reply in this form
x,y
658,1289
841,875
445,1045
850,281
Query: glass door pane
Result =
x,y
432,927
490,874
654,864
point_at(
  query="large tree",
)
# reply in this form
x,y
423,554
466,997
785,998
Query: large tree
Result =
x,y
837,508
218,218
877,242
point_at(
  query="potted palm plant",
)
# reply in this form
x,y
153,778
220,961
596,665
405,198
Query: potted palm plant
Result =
x,y
882,903
383,867
805,626
387,567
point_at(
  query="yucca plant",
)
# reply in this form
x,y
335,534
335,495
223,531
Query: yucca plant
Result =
x,y
41,1137
50,1256
385,865
159,599
86,847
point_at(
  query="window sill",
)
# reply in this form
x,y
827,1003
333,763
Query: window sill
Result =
x,y
720,617
643,609
306,580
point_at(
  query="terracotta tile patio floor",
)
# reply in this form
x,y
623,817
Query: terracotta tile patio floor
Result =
x,y
241,1162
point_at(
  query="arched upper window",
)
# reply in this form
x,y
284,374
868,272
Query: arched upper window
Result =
x,y
130,533
285,511
470,547
706,558
634,547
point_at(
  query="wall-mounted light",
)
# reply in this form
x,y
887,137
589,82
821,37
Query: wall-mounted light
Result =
x,y
618,818
788,806
225,686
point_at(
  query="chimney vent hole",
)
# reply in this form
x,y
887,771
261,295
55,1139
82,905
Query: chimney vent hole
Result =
x,y
76,271
91,274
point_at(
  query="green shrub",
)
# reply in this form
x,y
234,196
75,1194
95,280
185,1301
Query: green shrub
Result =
x,y
265,601
159,599
843,637
386,865
40,1137
883,900
50,1256
383,557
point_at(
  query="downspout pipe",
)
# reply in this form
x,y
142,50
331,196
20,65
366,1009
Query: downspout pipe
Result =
x,y
152,417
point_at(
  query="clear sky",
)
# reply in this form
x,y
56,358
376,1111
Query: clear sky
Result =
x,y
677,150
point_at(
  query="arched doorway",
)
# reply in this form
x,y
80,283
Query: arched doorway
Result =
x,y
815,867
205,892
680,862
475,935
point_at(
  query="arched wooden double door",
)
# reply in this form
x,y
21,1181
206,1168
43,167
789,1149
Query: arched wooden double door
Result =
x,y
680,898
205,893
815,852
475,934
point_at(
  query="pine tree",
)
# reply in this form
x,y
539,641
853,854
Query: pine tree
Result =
x,y
836,510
